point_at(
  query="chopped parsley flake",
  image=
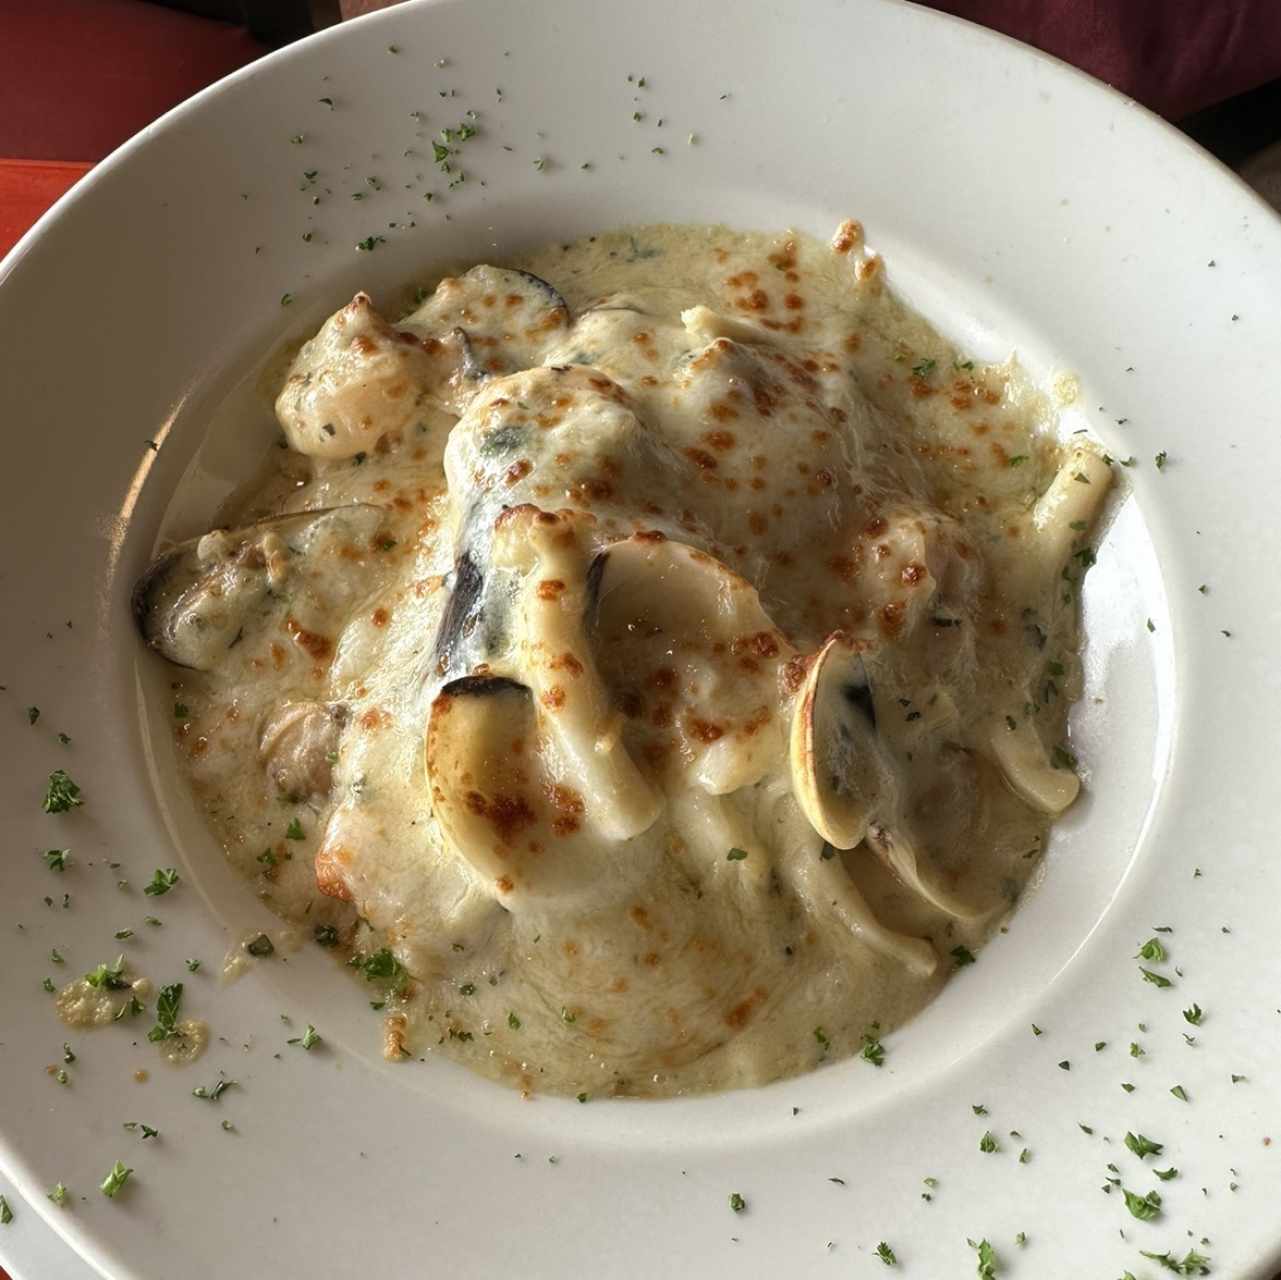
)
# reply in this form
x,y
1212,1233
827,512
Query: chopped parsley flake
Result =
x,y
56,859
1180,1093
1142,1146
6,1214
988,1144
214,1092
962,956
167,1005
1017,460
821,1036
164,879
307,1039
1166,1174
1145,1208
109,976
923,369
513,1021
873,1050
1193,1015
736,1201
1191,1264
886,1254
260,946
1151,950
116,1178
33,714
59,1194
383,966
736,855
987,1259
62,794
294,830
1156,979
1161,459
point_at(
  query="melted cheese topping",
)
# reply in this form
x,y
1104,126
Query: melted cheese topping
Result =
x,y
682,677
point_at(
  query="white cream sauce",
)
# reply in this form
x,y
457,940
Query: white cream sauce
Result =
x,y
582,803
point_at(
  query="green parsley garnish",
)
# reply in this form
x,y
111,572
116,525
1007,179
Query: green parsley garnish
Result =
x,y
260,946
1142,1146
582,1097
59,1194
47,984
886,1254
873,1050
383,966
56,859
1156,979
1161,459
987,1259
147,1130
62,793
109,976
130,1009
1180,1093
215,1092
513,1021
33,714
1151,950
167,1005
294,830
1191,1264
821,1036
1166,1174
121,934
162,881
988,1144
923,369
736,855
180,709
736,1201
962,956
1145,1208
1193,1015
116,1178
6,1214
1017,460
307,1039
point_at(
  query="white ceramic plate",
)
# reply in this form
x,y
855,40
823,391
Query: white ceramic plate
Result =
x,y
1019,205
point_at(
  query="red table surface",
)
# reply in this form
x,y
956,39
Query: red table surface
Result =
x,y
27,189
